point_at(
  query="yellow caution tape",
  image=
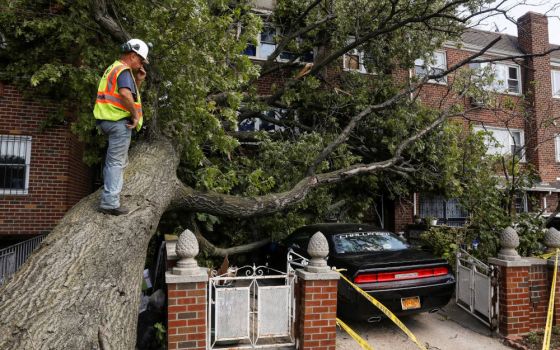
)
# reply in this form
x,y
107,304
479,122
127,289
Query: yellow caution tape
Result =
x,y
548,328
386,311
546,255
354,335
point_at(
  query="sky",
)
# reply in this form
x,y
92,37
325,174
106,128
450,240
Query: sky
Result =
x,y
539,6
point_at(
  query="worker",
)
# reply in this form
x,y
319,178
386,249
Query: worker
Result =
x,y
118,110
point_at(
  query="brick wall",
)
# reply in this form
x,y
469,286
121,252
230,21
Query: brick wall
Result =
x,y
57,179
404,214
525,286
538,296
317,314
186,315
533,38
514,301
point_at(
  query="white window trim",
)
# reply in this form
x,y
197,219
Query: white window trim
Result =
x,y
555,89
27,139
518,68
360,54
494,86
259,57
428,66
477,128
557,147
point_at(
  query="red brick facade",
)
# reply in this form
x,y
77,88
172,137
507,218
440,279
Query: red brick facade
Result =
x,y
515,314
317,314
542,108
58,178
524,296
186,315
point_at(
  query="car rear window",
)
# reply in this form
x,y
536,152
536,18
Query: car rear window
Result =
x,y
363,242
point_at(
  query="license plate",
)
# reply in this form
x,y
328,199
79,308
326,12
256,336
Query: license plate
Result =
x,y
410,303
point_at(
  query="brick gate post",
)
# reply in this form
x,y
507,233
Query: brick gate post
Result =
x,y
186,298
525,285
317,288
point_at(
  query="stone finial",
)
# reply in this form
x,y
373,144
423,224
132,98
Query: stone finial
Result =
x,y
186,249
318,249
509,241
552,239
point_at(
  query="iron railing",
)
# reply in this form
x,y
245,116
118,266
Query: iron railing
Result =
x,y
12,257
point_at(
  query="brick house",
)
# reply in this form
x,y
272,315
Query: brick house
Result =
x,y
41,171
536,79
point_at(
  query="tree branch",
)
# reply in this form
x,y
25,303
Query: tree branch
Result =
x,y
108,23
240,207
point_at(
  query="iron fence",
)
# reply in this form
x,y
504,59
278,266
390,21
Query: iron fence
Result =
x,y
12,257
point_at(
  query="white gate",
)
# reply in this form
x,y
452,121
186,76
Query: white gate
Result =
x,y
249,309
477,288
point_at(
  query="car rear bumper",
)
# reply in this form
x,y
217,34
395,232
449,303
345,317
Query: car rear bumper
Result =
x,y
354,306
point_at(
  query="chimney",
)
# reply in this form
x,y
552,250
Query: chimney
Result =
x,y
532,29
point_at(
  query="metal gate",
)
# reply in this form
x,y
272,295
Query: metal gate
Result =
x,y
251,307
477,288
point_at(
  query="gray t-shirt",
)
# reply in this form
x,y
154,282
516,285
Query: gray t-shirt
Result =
x,y
125,80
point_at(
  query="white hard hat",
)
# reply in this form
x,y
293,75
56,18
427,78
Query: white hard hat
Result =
x,y
139,47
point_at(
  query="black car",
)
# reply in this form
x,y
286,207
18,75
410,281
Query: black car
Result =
x,y
403,278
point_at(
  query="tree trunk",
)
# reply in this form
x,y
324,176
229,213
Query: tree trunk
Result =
x,y
81,288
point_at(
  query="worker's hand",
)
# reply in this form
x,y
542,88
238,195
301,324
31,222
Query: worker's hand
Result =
x,y
133,124
140,75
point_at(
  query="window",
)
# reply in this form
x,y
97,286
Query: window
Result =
x,y
521,204
364,242
354,61
556,83
507,77
258,124
15,157
504,141
447,211
436,65
266,44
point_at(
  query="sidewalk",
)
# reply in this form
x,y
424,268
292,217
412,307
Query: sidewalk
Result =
x,y
449,329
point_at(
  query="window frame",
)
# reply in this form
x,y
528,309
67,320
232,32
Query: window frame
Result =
x,y
427,67
511,140
444,203
518,69
258,55
498,87
555,89
27,159
258,48
557,147
361,67
256,124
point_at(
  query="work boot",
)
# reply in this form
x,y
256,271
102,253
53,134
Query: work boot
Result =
x,y
114,211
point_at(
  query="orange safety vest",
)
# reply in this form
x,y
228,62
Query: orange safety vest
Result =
x,y
108,105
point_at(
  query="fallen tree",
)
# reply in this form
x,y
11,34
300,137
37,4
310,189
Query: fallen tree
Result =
x,y
81,288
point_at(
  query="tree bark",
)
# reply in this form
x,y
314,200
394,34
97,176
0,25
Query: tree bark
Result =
x,y
81,288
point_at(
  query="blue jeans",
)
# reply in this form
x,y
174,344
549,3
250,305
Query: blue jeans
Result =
x,y
115,161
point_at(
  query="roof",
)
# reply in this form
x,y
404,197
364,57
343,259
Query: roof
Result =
x,y
508,43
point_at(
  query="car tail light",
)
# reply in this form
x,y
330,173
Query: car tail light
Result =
x,y
401,275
